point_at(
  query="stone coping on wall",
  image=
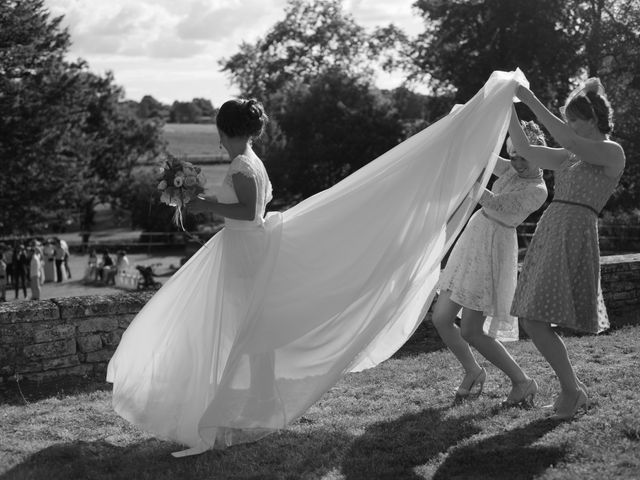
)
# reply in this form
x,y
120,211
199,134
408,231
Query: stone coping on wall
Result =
x,y
44,339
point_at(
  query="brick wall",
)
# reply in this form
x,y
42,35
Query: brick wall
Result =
x,y
46,339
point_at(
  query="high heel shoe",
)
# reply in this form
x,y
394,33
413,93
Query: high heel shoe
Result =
x,y
474,390
580,402
554,406
522,394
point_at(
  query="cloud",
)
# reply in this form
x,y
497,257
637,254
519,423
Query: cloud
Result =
x,y
170,48
220,21
174,47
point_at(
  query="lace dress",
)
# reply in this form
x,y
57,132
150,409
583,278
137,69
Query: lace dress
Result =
x,y
560,278
481,271
174,358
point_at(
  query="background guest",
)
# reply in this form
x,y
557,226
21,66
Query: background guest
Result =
x,y
19,265
59,259
36,272
105,268
49,261
3,274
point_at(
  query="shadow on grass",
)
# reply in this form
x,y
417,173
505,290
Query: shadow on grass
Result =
x,y
14,393
424,340
510,455
386,450
288,455
393,449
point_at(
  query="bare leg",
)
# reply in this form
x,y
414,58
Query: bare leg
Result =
x,y
523,388
553,349
444,314
489,347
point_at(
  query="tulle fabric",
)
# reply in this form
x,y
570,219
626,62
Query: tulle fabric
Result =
x,y
263,320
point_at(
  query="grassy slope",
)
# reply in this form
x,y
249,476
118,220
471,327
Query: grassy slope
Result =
x,y
394,421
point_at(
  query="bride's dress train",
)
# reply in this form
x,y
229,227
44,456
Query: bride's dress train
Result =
x,y
262,321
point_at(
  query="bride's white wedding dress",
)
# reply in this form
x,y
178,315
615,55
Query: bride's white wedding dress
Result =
x,y
269,314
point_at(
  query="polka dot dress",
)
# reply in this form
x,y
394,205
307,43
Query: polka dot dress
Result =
x,y
560,278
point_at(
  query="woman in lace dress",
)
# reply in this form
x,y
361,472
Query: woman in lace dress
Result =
x,y
161,368
560,279
480,276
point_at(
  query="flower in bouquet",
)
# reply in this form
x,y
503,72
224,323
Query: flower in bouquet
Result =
x,y
180,182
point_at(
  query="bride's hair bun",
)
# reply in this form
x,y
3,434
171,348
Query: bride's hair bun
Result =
x,y
242,118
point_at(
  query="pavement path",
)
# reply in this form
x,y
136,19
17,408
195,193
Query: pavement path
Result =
x,y
76,287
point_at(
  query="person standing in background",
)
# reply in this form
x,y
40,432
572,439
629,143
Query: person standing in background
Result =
x,y
65,258
59,259
3,275
19,265
36,272
49,261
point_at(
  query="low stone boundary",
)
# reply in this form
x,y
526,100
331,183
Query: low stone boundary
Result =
x,y
52,339
75,336
620,278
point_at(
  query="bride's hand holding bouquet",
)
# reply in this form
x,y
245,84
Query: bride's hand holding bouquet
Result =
x,y
202,204
181,182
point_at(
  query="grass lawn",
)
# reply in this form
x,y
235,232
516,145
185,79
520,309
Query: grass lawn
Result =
x,y
395,421
193,140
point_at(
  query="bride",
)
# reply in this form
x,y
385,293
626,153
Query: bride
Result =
x,y
272,311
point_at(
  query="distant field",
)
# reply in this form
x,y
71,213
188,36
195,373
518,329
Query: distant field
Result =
x,y
215,174
196,140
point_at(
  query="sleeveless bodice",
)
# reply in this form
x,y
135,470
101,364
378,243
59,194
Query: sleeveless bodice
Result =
x,y
584,183
252,167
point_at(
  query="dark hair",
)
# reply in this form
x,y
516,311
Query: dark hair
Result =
x,y
242,118
591,103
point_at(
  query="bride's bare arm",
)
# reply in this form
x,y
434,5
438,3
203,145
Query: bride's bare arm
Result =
x,y
245,209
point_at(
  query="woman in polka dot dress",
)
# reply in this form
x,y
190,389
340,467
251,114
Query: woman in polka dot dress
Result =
x,y
560,279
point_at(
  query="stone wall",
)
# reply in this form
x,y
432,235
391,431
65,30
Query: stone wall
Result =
x,y
620,278
50,339
76,336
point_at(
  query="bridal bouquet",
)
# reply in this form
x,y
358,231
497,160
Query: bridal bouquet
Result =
x,y
180,182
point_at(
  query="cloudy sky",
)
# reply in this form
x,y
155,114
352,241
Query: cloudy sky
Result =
x,y
170,48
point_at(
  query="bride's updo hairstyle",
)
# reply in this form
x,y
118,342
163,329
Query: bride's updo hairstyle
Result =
x,y
590,101
242,118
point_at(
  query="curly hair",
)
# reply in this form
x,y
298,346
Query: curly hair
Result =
x,y
534,133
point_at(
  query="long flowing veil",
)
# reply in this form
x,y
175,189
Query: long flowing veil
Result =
x,y
350,274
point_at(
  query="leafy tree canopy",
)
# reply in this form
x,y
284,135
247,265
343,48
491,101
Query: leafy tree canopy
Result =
x,y
556,43
66,139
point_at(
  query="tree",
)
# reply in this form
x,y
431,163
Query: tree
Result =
x,y
184,112
314,73
612,50
66,138
332,126
149,107
206,108
314,36
464,41
556,43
